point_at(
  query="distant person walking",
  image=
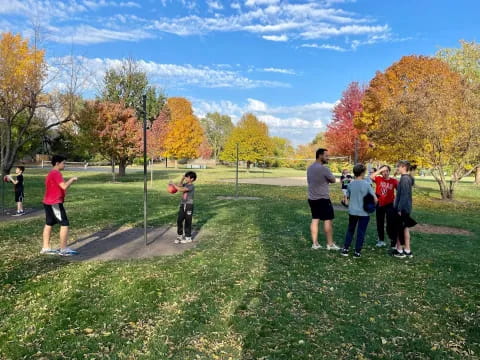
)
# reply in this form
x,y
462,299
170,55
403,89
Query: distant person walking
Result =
x,y
318,178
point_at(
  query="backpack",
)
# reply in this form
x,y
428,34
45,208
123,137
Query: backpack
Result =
x,y
369,203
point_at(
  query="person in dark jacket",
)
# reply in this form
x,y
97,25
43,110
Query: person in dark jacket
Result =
x,y
403,209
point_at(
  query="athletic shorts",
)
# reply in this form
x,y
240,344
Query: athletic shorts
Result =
x,y
19,196
345,192
322,209
55,214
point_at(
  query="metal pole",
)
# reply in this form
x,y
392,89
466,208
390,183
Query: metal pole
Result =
x,y
144,113
236,181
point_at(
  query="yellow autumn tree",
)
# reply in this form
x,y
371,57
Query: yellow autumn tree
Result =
x,y
253,141
419,109
184,134
22,71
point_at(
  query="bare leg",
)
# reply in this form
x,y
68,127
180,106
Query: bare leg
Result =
x,y
19,206
63,236
47,231
314,231
328,228
407,239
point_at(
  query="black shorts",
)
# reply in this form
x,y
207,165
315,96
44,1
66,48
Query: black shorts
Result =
x,y
19,196
55,214
322,209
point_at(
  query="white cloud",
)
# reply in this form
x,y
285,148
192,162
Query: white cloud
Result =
x,y
260,2
277,38
177,76
256,105
215,5
325,46
299,123
235,5
281,71
329,31
85,34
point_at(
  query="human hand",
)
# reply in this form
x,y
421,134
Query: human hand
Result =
x,y
74,179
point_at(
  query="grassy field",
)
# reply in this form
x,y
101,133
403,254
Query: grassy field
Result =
x,y
252,289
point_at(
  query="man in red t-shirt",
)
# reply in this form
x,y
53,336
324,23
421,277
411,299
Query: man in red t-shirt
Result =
x,y
385,187
55,191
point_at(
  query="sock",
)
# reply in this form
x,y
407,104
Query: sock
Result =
x,y
400,251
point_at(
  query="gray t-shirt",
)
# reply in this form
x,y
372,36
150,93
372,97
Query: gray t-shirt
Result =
x,y
187,197
318,179
356,191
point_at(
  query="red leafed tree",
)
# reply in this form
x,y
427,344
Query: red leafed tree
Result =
x,y
205,149
118,133
341,133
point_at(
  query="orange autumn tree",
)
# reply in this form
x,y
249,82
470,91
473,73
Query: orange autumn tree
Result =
x,y
421,110
113,130
185,134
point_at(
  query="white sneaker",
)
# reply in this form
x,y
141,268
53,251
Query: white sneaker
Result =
x,y
46,251
179,239
333,247
186,240
380,244
316,246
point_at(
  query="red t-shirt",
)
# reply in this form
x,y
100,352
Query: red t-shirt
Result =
x,y
385,190
54,194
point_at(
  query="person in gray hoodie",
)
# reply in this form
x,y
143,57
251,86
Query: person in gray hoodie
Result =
x,y
403,209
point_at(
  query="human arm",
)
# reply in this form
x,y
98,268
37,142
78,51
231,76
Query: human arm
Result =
x,y
330,177
180,186
65,185
371,192
377,173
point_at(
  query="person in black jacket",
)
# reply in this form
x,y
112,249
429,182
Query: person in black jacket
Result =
x,y
403,209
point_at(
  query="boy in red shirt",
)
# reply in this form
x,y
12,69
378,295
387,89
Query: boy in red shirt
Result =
x,y
55,191
385,191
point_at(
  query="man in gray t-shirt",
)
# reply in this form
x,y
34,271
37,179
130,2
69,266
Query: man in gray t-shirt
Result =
x,y
318,178
185,212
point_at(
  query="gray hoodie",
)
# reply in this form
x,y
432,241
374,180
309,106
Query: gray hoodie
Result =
x,y
403,200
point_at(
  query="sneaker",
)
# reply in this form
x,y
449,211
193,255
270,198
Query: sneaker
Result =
x,y
186,240
316,246
333,247
344,252
380,243
179,239
357,254
19,213
408,254
67,252
48,251
399,254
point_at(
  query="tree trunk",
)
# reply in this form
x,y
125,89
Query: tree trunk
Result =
x,y
113,169
122,165
477,176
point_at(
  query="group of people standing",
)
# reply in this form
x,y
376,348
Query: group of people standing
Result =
x,y
392,210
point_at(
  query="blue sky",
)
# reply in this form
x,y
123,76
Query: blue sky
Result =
x,y
287,61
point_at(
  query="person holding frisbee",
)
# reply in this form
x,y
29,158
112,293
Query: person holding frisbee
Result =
x,y
18,188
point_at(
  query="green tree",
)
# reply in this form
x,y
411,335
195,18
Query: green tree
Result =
x,y
217,130
251,135
283,152
128,84
466,61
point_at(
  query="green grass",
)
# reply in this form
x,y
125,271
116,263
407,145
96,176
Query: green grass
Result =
x,y
252,289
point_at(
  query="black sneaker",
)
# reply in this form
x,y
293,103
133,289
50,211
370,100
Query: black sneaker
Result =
x,y
408,254
357,255
344,252
398,254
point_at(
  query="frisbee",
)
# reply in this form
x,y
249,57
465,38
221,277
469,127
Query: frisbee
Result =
x,y
171,189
